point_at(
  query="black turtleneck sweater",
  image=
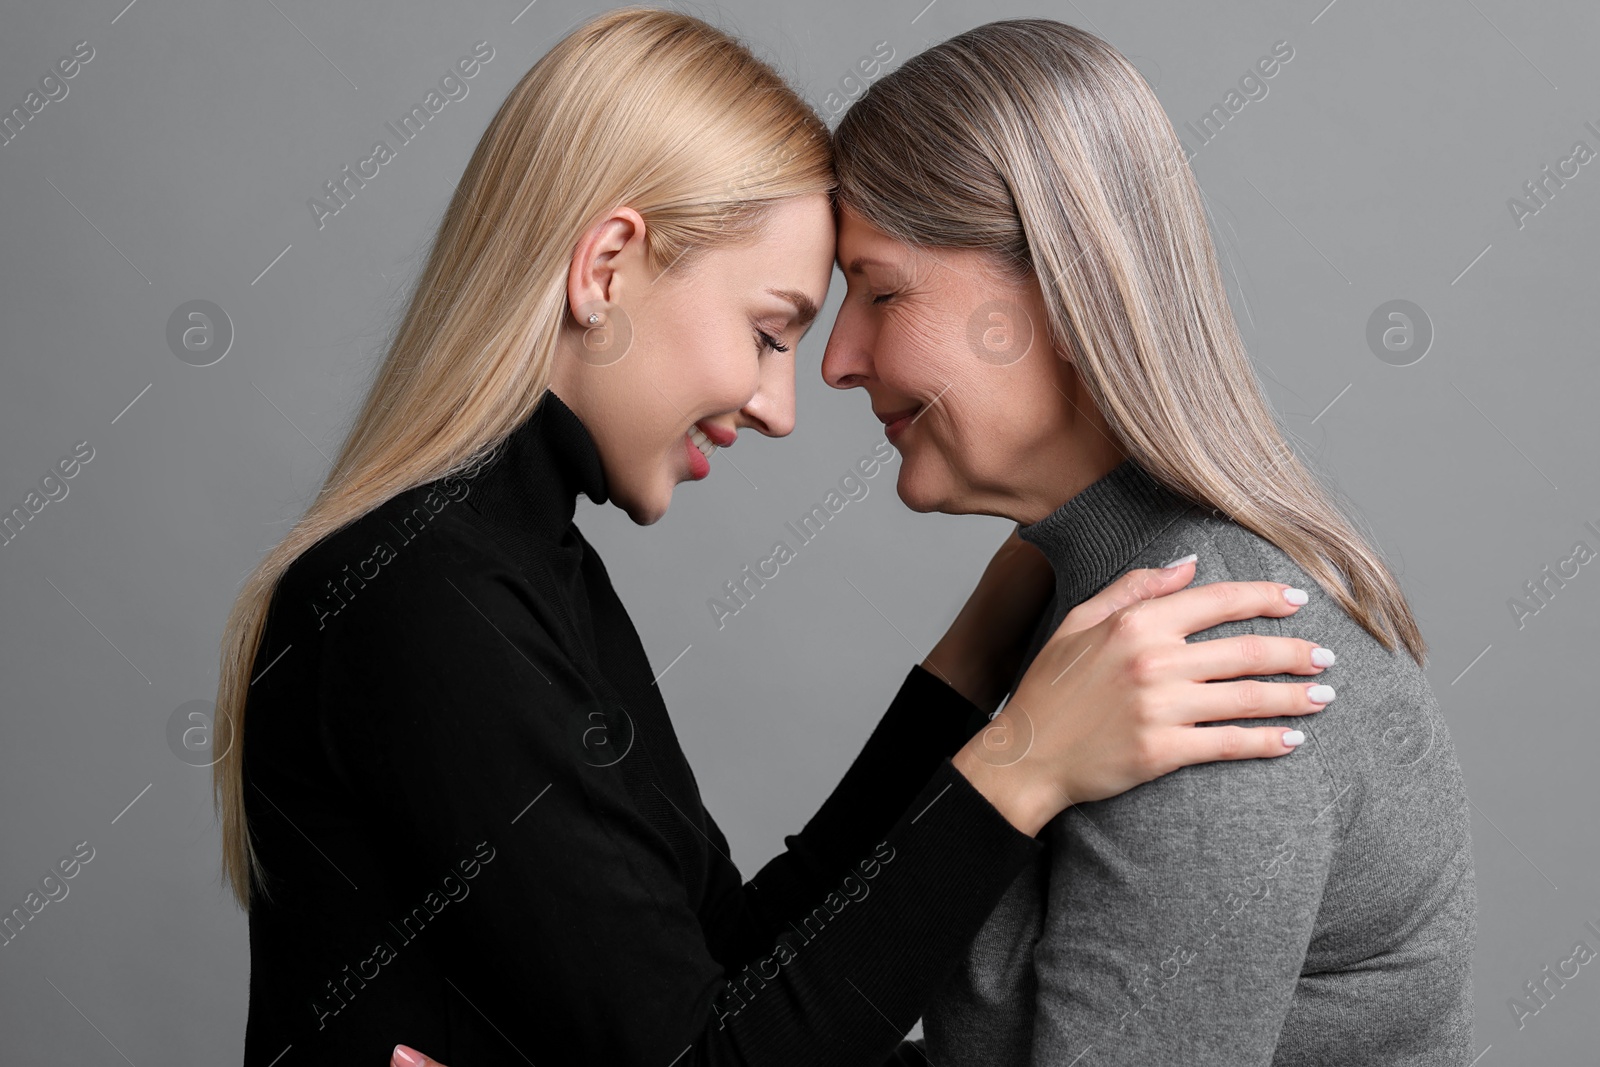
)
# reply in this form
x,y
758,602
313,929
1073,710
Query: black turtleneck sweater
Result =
x,y
482,838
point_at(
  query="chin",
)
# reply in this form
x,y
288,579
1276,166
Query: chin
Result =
x,y
644,512
944,494
648,516
918,497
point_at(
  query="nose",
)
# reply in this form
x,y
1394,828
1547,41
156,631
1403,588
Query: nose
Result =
x,y
847,359
771,410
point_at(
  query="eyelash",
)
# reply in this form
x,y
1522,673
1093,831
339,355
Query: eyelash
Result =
x,y
765,340
881,297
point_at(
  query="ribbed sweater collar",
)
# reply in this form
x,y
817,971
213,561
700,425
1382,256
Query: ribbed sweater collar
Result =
x,y
534,480
1091,538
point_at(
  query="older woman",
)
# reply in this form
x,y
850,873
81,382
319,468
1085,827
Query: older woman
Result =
x,y
1032,284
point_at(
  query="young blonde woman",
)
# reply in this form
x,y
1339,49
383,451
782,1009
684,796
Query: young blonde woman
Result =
x,y
1032,282
457,811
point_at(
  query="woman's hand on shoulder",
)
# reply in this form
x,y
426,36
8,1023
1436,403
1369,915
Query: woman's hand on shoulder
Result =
x,y
1114,698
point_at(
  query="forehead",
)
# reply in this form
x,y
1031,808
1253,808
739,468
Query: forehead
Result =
x,y
861,245
790,257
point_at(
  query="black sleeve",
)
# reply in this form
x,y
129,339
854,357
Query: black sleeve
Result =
x,y
927,722
463,721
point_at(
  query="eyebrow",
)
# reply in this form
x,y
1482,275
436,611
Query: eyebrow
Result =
x,y
805,309
861,261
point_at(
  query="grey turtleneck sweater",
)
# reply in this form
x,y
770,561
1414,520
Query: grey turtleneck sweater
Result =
x,y
1317,908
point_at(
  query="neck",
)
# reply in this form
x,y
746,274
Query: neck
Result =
x,y
1083,450
1092,536
1064,474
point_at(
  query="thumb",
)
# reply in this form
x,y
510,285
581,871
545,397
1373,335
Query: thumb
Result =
x,y
1144,583
405,1056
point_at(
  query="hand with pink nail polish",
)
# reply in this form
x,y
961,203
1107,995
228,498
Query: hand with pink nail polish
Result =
x,y
405,1056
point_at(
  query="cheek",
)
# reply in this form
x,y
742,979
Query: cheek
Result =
x,y
974,432
726,380
898,361
701,379
957,433
918,356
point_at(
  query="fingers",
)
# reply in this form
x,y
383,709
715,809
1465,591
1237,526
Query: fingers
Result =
x,y
1232,657
1129,590
1192,610
1248,700
404,1056
1232,742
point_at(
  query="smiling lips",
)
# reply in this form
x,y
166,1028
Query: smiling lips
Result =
x,y
719,436
701,442
895,422
699,461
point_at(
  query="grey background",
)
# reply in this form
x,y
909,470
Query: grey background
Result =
x,y
1378,167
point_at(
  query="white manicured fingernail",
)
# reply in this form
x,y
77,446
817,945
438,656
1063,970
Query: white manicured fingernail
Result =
x,y
1295,596
1180,561
1293,738
1322,694
1322,657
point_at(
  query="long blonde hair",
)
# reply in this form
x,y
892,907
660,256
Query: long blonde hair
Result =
x,y
648,108
1039,143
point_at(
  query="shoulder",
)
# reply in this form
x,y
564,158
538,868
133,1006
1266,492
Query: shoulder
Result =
x,y
1233,809
1228,552
419,587
420,621
413,533
1385,712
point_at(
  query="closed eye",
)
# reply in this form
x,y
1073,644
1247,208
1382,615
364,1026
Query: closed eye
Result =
x,y
765,340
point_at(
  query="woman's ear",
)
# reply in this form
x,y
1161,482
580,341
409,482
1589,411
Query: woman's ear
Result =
x,y
612,246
